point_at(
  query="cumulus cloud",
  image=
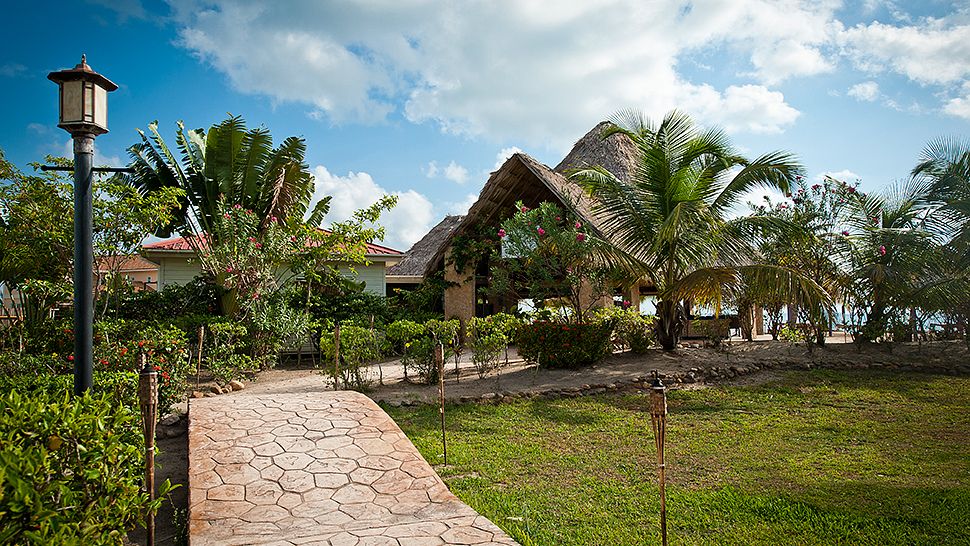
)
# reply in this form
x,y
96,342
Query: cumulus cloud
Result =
x,y
959,106
455,173
748,108
865,91
503,155
933,51
404,224
464,67
845,175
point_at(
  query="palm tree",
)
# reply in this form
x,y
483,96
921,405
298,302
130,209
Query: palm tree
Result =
x,y
672,214
231,164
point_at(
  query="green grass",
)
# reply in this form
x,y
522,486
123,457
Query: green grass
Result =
x,y
814,458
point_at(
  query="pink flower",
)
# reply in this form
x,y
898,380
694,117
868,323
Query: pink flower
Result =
x,y
272,219
578,225
228,270
875,219
580,237
846,233
293,239
626,303
259,245
237,206
540,230
524,208
816,186
501,233
558,218
255,295
851,189
252,239
882,250
226,215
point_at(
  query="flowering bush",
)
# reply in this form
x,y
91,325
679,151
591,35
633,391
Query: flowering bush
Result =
x,y
119,342
556,345
223,360
549,255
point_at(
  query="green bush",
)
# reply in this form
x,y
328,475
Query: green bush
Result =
x,y
175,300
223,359
557,345
487,339
118,343
630,328
70,469
358,347
122,387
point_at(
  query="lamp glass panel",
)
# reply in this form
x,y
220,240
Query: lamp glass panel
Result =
x,y
100,106
89,101
71,101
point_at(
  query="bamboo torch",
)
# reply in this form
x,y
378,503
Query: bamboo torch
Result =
x,y
658,415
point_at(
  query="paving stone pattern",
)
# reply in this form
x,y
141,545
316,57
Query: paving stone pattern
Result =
x,y
316,469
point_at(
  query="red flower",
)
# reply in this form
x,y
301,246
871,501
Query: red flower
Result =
x,y
540,230
882,250
141,343
124,351
524,208
501,233
580,237
70,358
578,225
156,368
226,215
846,233
104,362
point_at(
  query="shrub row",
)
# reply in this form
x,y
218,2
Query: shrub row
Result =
x,y
558,345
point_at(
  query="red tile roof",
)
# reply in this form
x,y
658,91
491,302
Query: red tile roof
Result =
x,y
125,264
182,244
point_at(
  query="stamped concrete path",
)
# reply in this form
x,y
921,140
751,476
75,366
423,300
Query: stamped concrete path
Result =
x,y
316,468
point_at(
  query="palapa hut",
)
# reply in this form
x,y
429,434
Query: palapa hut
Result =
x,y
520,178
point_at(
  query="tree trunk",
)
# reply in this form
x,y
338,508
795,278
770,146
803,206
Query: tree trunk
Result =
x,y
670,324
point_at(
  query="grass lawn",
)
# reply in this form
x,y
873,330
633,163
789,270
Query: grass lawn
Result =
x,y
813,458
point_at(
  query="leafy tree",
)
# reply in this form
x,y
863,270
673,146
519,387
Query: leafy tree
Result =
x,y
231,173
549,255
672,214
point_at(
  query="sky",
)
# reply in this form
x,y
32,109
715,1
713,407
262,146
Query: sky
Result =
x,y
423,99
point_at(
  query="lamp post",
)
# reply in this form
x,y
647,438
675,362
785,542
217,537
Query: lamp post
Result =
x,y
658,416
83,112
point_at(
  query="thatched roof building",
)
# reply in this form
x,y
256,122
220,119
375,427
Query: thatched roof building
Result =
x,y
411,269
523,178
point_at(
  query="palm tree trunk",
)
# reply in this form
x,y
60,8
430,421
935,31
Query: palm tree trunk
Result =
x,y
670,324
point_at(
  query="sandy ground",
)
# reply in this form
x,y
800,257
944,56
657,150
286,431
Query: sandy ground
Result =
x,y
520,377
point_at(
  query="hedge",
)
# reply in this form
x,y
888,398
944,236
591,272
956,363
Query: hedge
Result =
x,y
557,345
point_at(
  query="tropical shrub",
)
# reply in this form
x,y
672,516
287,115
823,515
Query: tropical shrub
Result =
x,y
119,342
487,339
556,345
358,347
630,328
223,359
70,469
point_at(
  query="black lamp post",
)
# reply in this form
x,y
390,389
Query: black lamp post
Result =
x,y
658,416
83,95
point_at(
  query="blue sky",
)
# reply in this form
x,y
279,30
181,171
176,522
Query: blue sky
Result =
x,y
424,98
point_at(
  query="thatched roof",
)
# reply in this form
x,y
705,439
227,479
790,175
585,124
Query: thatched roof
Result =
x,y
616,153
416,259
523,178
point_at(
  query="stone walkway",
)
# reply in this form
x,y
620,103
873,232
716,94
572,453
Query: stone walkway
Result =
x,y
316,469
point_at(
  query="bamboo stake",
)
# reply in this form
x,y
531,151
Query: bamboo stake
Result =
x,y
336,357
198,365
439,357
148,400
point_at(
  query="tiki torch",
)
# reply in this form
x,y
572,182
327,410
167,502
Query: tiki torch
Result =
x,y
148,400
658,415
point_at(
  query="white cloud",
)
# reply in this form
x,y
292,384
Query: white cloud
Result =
x,y
503,155
404,224
845,175
461,207
509,69
431,170
959,106
865,91
748,108
934,51
456,173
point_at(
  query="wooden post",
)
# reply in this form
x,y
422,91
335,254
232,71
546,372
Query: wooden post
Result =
x,y
198,365
148,400
439,358
336,357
